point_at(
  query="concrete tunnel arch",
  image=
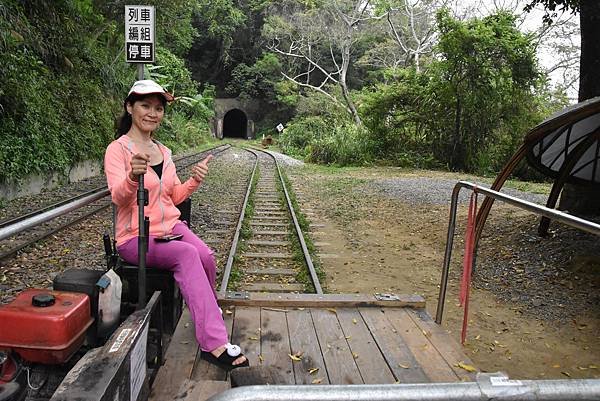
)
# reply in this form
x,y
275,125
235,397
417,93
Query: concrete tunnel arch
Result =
x,y
235,124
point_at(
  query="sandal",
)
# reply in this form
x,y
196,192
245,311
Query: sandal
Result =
x,y
225,360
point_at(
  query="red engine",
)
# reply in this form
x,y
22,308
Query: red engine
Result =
x,y
44,326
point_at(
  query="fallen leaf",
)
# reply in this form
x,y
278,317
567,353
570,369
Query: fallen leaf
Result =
x,y
261,358
566,373
184,342
404,366
478,337
354,355
556,365
332,310
317,381
593,367
228,312
312,371
294,358
253,338
347,337
466,367
354,321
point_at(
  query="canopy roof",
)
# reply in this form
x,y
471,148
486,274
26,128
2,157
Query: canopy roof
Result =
x,y
567,144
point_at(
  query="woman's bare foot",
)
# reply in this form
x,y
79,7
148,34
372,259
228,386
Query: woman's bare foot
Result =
x,y
218,351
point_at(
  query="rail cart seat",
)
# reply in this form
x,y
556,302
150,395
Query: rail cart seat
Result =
x,y
156,280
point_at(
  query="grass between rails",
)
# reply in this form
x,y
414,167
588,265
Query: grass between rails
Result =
x,y
245,234
303,276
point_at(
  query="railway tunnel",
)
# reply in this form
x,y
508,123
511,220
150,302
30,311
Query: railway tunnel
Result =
x,y
235,118
235,124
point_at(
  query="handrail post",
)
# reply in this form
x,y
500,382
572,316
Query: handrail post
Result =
x,y
447,254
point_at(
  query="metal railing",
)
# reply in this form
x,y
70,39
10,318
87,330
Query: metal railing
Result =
x,y
38,219
557,215
489,386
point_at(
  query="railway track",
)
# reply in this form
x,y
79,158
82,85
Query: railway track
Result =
x,y
259,240
41,225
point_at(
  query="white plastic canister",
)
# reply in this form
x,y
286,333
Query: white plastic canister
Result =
x,y
109,304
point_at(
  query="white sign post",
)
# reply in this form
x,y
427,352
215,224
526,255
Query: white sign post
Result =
x,y
139,34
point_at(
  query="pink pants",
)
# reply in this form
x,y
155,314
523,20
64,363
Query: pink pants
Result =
x,y
194,270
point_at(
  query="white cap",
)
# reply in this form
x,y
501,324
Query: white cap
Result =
x,y
147,87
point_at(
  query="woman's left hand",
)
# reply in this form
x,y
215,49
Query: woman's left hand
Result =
x,y
200,170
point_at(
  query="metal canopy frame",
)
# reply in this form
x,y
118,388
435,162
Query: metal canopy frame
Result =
x,y
565,146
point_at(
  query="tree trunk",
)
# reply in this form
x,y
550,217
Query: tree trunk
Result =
x,y
589,78
342,82
577,199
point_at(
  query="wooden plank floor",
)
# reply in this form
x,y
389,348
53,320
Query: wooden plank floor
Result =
x,y
352,344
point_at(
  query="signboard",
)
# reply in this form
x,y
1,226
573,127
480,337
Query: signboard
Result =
x,y
279,127
139,34
138,365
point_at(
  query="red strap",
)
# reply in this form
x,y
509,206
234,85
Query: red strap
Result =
x,y
468,263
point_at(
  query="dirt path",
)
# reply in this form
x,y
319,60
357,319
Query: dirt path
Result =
x,y
534,310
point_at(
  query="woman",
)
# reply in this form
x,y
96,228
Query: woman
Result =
x,y
188,257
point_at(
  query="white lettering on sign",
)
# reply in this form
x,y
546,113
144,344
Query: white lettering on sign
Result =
x,y
137,364
120,340
504,381
139,34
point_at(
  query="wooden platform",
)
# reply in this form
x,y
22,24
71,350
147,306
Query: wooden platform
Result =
x,y
309,339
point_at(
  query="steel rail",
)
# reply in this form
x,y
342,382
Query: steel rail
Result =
x,y
238,229
28,223
13,251
557,215
494,386
14,220
299,234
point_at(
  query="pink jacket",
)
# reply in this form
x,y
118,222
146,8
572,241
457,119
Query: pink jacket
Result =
x,y
164,193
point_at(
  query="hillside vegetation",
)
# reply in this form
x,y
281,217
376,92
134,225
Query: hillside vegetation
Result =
x,y
381,82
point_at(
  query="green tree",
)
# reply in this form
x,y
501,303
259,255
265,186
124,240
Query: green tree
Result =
x,y
486,71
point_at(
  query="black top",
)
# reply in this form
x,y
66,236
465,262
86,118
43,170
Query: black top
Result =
x,y
158,169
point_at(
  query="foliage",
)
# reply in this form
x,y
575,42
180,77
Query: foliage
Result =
x,y
51,116
482,83
173,20
392,113
323,133
256,81
229,35
172,74
63,80
552,5
469,109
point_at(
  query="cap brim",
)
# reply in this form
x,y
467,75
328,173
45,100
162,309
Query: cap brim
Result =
x,y
168,97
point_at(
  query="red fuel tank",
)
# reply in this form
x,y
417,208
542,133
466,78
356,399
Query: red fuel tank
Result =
x,y
45,326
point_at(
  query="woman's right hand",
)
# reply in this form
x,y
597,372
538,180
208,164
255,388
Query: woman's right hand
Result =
x,y
139,165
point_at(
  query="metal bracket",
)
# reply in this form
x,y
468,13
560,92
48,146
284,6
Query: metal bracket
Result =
x,y
238,295
386,297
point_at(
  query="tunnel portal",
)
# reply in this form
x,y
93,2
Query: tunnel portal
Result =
x,y
235,124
